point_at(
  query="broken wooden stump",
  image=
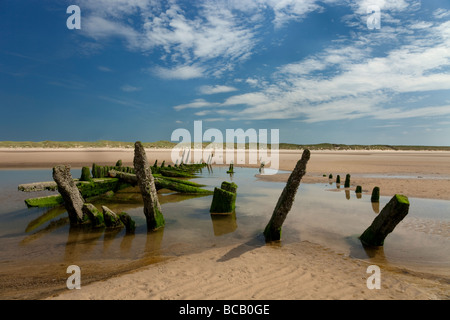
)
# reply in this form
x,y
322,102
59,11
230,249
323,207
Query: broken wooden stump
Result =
x,y
347,181
375,195
231,168
146,182
272,232
85,174
358,192
73,201
95,216
385,222
128,222
112,220
224,198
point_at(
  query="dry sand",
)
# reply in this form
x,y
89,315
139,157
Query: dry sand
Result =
x,y
288,271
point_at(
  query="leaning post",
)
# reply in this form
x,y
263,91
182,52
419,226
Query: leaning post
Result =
x,y
146,182
272,232
385,222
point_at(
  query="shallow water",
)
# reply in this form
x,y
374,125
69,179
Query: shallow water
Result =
x,y
39,244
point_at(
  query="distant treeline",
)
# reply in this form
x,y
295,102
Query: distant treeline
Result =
x,y
168,145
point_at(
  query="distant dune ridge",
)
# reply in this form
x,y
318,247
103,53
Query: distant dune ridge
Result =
x,y
163,144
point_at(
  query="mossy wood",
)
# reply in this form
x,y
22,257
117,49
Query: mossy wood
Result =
x,y
85,174
272,232
161,182
95,216
45,202
128,222
224,199
112,220
385,222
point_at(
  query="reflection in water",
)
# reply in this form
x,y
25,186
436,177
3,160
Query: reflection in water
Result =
x,y
358,195
47,216
81,241
224,223
347,194
361,251
52,226
376,207
153,243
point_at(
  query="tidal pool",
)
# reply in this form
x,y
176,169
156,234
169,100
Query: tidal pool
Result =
x,y
38,244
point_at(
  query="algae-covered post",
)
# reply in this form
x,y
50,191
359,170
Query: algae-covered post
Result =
x,y
375,195
73,201
272,232
347,181
146,182
385,222
358,192
224,198
94,215
85,174
111,219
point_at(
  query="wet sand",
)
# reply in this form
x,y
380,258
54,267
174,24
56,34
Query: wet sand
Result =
x,y
301,270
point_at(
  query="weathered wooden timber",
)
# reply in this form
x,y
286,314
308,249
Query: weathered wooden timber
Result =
x,y
385,222
224,199
146,182
73,201
272,232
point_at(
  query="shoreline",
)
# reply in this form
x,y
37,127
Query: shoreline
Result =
x,y
404,165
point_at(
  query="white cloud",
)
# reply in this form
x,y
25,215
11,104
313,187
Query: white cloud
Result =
x,y
216,89
183,72
441,13
100,28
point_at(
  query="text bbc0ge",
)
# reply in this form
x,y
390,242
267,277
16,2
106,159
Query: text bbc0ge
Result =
x,y
235,309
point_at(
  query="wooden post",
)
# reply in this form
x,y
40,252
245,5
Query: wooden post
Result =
x,y
375,195
385,222
224,198
272,232
73,201
152,208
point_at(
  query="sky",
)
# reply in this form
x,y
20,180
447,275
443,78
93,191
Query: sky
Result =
x,y
336,71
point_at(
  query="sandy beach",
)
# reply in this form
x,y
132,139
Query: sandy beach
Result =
x,y
302,270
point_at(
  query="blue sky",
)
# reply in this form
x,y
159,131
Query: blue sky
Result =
x,y
139,69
